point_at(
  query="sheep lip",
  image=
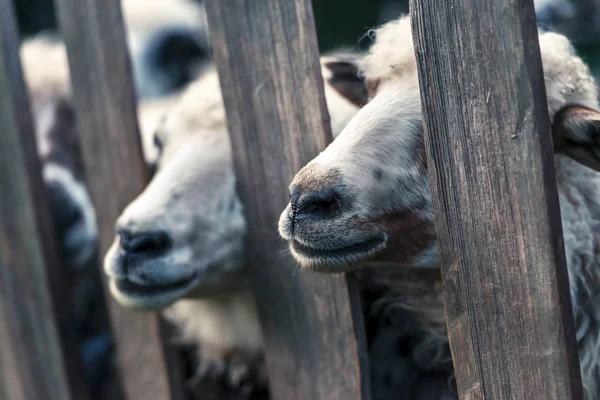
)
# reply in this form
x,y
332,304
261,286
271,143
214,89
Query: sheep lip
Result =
x,y
317,257
134,289
145,256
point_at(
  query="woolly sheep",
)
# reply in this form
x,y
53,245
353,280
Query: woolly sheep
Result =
x,y
152,28
348,209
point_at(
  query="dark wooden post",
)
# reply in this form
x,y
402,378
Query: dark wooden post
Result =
x,y
267,56
115,170
39,356
490,155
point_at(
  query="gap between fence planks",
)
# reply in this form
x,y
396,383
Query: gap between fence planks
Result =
x,y
267,57
39,356
489,151
116,173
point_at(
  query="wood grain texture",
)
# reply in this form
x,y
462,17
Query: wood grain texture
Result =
x,y
39,354
495,200
116,172
267,56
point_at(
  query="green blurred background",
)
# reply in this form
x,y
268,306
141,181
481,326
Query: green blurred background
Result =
x,y
342,23
339,22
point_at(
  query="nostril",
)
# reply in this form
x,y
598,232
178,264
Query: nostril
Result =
x,y
144,242
319,203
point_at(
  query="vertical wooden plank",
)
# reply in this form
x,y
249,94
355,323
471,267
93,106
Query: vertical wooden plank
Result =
x,y
267,56
494,195
39,356
116,173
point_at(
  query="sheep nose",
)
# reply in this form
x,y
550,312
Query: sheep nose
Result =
x,y
139,243
319,204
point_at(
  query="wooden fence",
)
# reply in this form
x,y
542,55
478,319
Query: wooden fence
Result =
x,y
38,357
267,59
116,173
507,296
312,347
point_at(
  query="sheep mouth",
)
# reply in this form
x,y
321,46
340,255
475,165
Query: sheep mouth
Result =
x,y
132,289
339,259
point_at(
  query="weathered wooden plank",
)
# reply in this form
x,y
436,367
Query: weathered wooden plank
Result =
x,y
116,173
267,56
39,357
494,195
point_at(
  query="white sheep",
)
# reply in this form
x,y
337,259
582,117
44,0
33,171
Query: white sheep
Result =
x,y
181,242
152,30
371,184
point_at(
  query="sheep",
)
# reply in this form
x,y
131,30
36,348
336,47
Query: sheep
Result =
x,y
154,30
180,244
348,210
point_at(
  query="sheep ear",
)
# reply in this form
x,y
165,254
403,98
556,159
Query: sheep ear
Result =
x,y
576,133
346,80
